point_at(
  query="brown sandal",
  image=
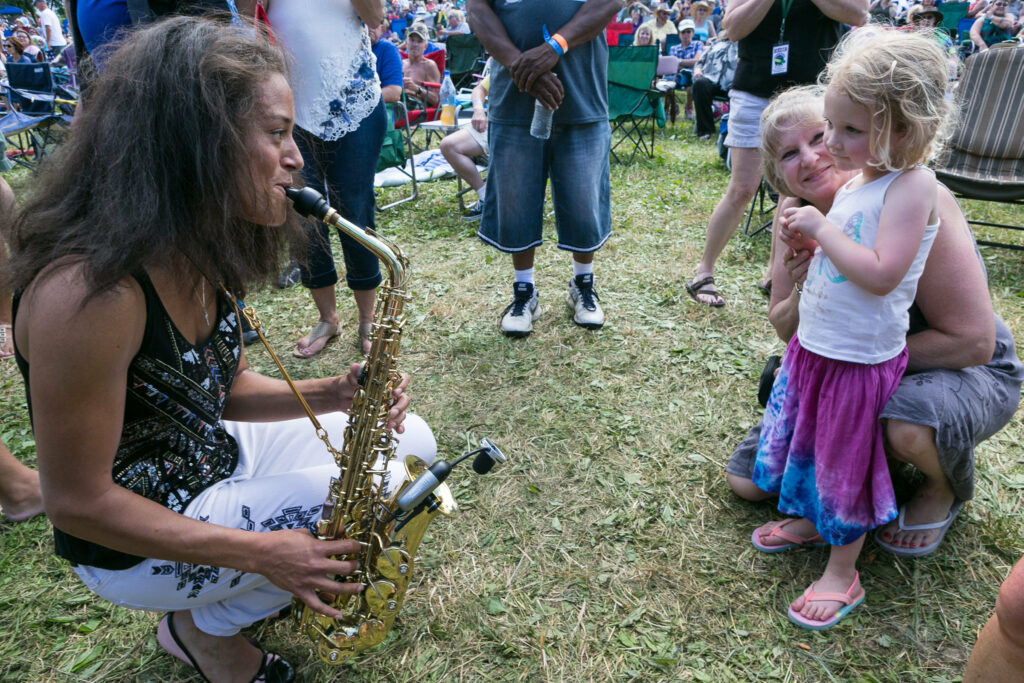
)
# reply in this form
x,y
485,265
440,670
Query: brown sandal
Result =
x,y
704,286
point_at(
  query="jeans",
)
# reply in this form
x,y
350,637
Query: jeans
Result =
x,y
343,171
575,158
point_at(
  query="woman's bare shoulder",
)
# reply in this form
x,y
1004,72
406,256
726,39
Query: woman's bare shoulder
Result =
x,y
59,309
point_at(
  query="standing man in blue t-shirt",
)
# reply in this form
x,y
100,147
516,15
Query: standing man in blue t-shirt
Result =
x,y
531,41
389,65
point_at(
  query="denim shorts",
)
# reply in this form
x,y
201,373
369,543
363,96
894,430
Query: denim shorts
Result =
x,y
575,158
745,119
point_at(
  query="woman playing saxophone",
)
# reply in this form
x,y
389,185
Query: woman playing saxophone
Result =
x,y
177,478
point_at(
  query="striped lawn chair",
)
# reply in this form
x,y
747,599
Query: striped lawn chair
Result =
x,y
986,153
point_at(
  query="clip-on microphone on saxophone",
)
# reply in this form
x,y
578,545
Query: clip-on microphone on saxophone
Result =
x,y
414,498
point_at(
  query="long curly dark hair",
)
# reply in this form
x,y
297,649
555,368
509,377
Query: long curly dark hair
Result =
x,y
156,165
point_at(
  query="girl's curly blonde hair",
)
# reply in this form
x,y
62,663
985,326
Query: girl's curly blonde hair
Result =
x,y
901,78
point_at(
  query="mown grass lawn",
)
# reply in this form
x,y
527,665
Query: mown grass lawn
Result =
x,y
609,548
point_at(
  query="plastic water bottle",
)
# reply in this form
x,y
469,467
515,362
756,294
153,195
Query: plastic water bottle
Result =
x,y
447,100
540,126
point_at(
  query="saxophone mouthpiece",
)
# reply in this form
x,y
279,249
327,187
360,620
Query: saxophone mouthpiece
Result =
x,y
308,202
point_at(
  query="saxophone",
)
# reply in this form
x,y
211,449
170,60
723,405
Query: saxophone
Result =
x,y
384,503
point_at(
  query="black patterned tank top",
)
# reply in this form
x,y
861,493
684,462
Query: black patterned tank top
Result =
x,y
173,445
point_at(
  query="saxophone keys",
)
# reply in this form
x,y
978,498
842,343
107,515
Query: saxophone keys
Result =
x,y
396,565
383,598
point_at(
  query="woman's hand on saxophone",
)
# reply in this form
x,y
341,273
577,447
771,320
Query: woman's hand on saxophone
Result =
x,y
298,562
399,403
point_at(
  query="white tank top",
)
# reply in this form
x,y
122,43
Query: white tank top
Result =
x,y
333,71
839,319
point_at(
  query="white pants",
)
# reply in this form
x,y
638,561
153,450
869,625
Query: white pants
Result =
x,y
280,483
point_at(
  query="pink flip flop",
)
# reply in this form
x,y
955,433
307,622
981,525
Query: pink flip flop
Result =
x,y
850,599
779,530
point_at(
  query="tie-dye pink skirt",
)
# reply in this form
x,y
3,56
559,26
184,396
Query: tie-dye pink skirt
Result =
x,y
821,448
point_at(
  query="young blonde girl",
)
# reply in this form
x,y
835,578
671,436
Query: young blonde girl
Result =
x,y
821,449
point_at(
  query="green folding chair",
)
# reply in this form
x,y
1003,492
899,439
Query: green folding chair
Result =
x,y
464,56
396,150
632,104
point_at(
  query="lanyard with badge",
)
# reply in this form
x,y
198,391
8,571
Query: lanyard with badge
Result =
x,y
780,51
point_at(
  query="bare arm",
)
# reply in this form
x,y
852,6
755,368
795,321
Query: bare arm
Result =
x,y
588,23
414,86
976,34
743,16
852,12
880,268
257,398
478,97
492,33
78,391
953,297
391,93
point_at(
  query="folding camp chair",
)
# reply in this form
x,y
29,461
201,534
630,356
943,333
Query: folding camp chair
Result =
x,y
36,117
952,13
398,26
396,150
464,57
412,119
31,89
986,152
670,40
631,102
757,207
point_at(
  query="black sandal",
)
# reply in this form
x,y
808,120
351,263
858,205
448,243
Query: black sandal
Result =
x,y
703,286
273,669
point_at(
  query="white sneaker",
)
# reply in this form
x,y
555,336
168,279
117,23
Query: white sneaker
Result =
x,y
517,318
583,300
474,213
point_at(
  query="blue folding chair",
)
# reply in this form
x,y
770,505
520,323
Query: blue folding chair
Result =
x,y
37,112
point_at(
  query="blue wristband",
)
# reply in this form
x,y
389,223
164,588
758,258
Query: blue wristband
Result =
x,y
555,45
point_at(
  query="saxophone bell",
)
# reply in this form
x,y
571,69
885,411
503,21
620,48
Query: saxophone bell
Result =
x,y
413,496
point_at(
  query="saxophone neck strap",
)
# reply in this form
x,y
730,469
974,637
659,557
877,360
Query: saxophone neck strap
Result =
x,y
249,313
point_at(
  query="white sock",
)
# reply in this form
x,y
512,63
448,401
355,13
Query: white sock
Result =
x,y
582,268
481,192
524,275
